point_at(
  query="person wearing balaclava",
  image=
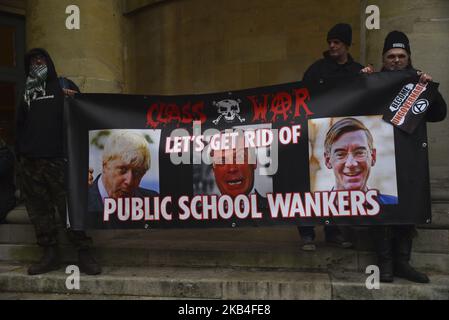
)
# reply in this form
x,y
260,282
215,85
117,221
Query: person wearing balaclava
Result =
x,y
394,242
39,149
336,62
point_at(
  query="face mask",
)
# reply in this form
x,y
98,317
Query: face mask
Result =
x,y
39,71
35,83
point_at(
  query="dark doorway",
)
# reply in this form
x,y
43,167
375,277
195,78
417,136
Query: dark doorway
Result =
x,y
12,42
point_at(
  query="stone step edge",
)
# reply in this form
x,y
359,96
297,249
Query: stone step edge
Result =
x,y
433,227
355,261
210,283
5,296
348,285
71,249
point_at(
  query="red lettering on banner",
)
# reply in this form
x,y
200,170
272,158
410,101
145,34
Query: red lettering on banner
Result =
x,y
198,110
260,110
399,117
173,113
150,121
281,105
302,95
187,116
161,113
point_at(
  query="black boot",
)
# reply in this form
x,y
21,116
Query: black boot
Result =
x,y
87,263
403,248
334,237
384,250
50,261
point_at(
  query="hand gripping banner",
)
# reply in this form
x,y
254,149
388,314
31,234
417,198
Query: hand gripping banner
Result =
x,y
296,154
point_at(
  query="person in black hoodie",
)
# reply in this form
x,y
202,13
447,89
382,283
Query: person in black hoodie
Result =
x,y
7,188
394,242
39,148
336,62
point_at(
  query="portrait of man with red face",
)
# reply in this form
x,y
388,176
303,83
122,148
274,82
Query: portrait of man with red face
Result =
x,y
233,171
233,177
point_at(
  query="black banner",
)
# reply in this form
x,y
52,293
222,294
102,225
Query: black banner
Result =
x,y
297,153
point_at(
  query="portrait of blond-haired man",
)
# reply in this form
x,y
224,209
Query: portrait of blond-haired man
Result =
x,y
125,159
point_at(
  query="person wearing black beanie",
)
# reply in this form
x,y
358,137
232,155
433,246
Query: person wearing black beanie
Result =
x,y
396,52
397,39
336,60
342,32
394,242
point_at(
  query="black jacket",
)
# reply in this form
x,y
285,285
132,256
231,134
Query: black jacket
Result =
x,y
40,125
7,188
438,109
327,68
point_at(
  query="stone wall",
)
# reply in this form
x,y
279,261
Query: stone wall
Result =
x,y
91,56
193,46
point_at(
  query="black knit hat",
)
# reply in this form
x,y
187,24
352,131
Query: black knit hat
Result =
x,y
396,39
342,32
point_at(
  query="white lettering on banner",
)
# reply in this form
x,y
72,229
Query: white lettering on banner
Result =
x,y
213,207
137,209
262,146
399,117
179,141
400,98
324,204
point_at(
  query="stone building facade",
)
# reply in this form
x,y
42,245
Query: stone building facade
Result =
x,y
197,46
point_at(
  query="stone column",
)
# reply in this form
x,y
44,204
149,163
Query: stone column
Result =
x,y
426,23
94,55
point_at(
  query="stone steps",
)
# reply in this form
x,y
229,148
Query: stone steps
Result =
x,y
273,247
428,240
223,255
439,183
240,263
440,216
195,283
214,283
72,296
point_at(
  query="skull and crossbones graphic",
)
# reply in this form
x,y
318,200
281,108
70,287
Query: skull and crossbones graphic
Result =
x,y
228,109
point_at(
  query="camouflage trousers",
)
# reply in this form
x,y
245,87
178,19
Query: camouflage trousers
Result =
x,y
43,189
